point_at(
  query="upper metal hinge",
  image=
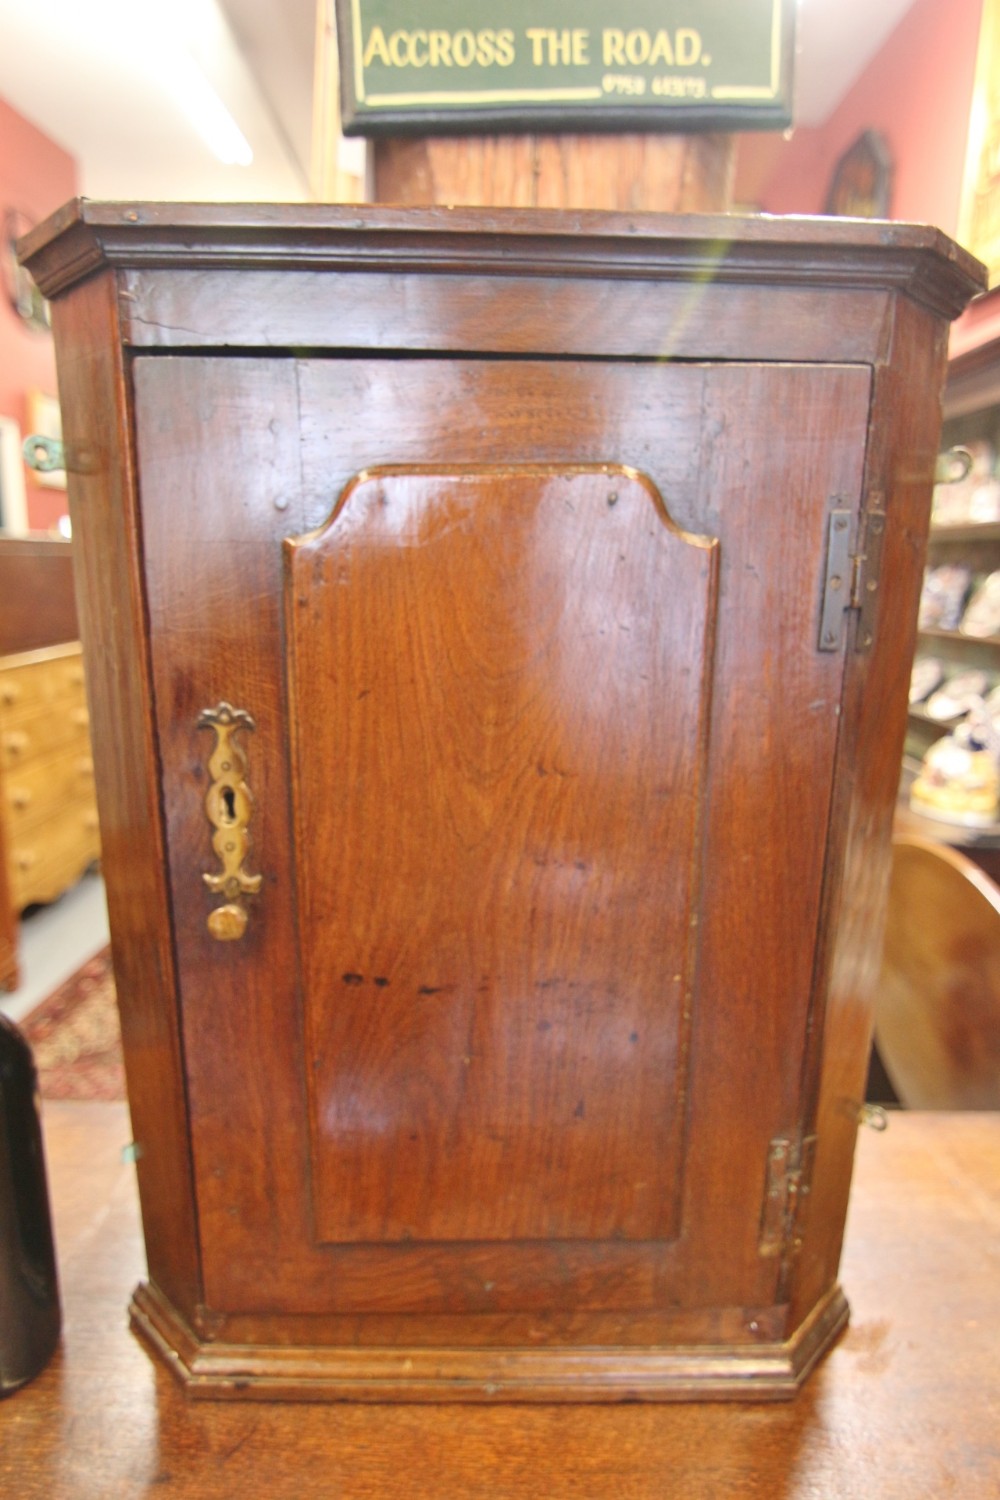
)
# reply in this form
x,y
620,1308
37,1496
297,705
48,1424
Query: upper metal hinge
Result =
x,y
852,576
789,1171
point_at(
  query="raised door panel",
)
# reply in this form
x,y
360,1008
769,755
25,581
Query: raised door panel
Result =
x,y
239,456
498,694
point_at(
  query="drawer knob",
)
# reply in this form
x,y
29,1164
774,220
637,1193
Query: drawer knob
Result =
x,y
16,742
20,797
9,693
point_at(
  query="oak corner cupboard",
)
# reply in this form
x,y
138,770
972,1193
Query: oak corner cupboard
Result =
x,y
498,630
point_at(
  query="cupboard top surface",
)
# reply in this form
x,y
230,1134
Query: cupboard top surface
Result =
x,y
919,260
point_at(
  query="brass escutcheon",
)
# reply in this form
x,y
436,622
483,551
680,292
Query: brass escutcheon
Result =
x,y
229,804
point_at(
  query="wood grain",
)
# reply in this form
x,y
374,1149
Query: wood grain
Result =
x,y
37,599
107,573
665,173
499,955
901,1408
747,251
534,315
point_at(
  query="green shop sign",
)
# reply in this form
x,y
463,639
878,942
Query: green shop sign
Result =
x,y
431,66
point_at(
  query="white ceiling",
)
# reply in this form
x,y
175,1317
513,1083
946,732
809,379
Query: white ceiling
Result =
x,y
85,72
82,71
837,40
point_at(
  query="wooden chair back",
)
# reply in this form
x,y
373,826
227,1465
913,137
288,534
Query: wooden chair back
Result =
x,y
937,1022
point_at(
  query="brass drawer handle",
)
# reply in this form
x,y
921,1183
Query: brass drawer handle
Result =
x,y
229,803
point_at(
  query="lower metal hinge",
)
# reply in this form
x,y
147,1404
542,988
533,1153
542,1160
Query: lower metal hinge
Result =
x,y
789,1172
853,575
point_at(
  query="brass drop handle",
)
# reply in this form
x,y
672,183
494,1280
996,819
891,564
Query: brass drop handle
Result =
x,y
229,804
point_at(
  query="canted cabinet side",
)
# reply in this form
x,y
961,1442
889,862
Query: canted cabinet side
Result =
x,y
899,473
107,551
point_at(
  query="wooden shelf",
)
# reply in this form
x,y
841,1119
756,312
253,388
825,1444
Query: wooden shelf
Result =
x,y
971,410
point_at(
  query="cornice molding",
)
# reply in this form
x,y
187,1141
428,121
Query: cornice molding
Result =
x,y
919,261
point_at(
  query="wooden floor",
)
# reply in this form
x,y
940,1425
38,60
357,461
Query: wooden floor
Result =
x,y
907,1405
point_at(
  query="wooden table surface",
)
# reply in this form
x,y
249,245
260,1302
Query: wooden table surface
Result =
x,y
907,1405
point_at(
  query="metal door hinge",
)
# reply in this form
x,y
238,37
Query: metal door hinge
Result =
x,y
789,1169
853,574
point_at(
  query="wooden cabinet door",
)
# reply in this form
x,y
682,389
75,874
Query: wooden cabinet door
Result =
x,y
541,762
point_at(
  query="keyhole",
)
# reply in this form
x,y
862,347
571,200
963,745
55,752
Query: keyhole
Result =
x,y
229,802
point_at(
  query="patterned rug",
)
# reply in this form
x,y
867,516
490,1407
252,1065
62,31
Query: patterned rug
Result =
x,y
75,1038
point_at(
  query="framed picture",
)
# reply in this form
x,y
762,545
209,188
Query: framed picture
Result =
x,y
979,213
861,186
45,420
13,498
23,296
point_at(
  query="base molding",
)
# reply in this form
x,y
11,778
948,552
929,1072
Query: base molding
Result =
x,y
217,1370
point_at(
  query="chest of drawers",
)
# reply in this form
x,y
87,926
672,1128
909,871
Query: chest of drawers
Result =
x,y
49,806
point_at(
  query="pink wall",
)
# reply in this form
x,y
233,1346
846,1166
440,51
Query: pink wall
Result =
x,y
36,176
916,91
